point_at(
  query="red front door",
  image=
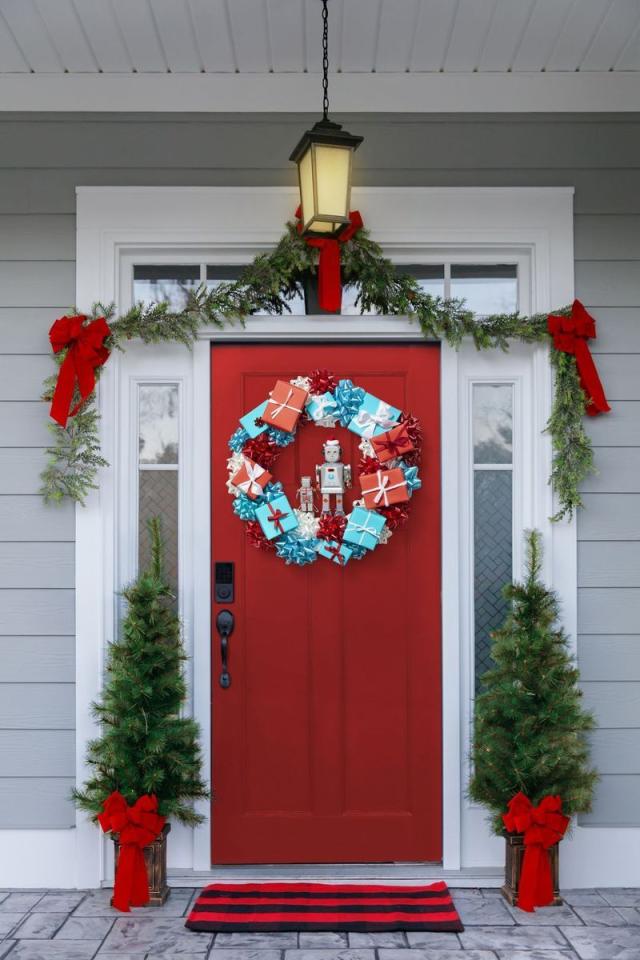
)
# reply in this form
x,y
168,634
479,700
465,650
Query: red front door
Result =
x,y
327,744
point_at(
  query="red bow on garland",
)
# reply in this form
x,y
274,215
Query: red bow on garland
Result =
x,y
85,352
542,826
329,281
137,827
570,335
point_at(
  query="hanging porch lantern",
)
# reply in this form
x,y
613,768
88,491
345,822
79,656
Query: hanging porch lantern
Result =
x,y
324,155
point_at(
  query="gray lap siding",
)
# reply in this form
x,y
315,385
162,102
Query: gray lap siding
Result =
x,y
44,158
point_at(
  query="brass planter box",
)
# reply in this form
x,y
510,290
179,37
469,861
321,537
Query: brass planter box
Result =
x,y
155,858
514,847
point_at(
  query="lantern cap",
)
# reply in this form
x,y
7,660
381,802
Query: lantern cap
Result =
x,y
325,132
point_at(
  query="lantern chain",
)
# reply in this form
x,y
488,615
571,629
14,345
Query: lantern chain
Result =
x,y
325,60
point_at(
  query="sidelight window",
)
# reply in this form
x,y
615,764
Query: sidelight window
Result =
x,y
158,470
492,493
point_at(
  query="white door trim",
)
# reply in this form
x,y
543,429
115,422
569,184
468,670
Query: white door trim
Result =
x,y
235,223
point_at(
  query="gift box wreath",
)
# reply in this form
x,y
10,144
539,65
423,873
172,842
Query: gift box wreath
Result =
x,y
322,400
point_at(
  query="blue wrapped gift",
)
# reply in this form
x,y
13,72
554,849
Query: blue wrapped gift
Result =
x,y
276,517
374,416
364,528
249,420
332,550
321,406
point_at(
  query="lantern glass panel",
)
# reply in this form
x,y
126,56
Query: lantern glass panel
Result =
x,y
332,169
305,167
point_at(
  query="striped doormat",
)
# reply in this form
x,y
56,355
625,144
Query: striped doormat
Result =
x,y
323,906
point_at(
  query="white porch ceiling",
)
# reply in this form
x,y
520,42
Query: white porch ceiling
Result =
x,y
407,42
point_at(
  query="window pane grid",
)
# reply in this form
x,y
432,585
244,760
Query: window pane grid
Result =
x,y
158,472
492,469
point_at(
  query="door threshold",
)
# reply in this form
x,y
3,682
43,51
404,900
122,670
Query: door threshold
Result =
x,y
392,873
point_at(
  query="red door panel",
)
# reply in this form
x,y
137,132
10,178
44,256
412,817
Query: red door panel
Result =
x,y
327,744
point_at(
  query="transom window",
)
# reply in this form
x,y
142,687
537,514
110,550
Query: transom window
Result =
x,y
486,288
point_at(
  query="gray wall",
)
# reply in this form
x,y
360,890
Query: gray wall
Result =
x,y
44,157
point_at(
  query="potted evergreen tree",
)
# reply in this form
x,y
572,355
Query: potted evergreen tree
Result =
x,y
530,731
145,746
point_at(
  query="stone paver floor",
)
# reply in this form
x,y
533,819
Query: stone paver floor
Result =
x,y
80,925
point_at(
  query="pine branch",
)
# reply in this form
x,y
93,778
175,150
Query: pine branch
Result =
x,y
154,525
572,449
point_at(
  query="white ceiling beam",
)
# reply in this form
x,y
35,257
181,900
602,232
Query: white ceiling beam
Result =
x,y
365,92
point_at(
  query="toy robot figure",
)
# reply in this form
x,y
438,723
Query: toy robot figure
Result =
x,y
333,476
304,495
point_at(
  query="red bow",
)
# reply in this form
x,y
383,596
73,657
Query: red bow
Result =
x,y
85,352
570,335
543,826
329,281
137,827
334,551
392,446
276,516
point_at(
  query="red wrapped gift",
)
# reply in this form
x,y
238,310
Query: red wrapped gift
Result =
x,y
251,478
384,487
393,443
284,406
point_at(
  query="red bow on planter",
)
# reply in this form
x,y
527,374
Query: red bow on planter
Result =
x,y
570,335
137,827
85,352
329,280
542,826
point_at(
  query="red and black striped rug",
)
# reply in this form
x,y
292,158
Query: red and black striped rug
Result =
x,y
323,906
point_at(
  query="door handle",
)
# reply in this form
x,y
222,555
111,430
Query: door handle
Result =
x,y
225,623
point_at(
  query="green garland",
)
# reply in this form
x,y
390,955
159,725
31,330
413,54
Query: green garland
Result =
x,y
267,284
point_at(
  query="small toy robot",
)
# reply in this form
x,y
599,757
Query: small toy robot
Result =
x,y
332,476
304,495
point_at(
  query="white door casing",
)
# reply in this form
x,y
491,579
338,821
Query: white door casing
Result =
x,y
222,225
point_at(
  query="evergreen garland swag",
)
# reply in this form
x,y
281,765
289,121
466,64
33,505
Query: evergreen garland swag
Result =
x,y
145,746
530,727
267,284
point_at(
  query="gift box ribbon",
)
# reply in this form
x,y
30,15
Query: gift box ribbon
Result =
x,y
322,405
335,554
363,529
369,421
543,826
570,335
383,487
394,447
85,352
285,405
251,485
276,517
136,827
329,280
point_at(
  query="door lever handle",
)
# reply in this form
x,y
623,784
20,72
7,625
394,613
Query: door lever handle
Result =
x,y
225,623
